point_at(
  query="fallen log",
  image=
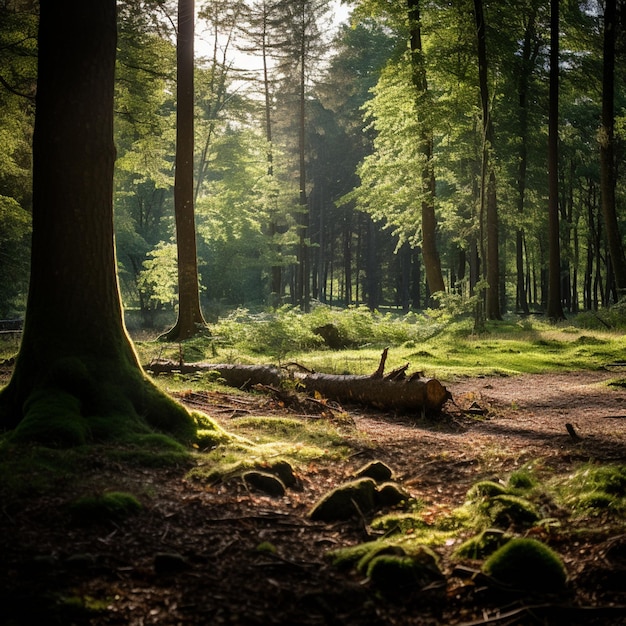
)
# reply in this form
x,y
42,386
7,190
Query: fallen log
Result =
x,y
394,391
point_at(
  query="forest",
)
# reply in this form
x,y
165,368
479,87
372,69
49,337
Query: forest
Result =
x,y
312,313
397,158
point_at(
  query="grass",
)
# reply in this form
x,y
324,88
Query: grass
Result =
x,y
440,347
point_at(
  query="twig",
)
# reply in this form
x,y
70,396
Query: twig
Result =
x,y
572,432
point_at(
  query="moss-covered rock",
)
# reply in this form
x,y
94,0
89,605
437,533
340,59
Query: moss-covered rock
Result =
x,y
391,572
345,501
485,489
112,506
281,469
483,544
391,494
528,565
521,480
506,510
377,470
265,482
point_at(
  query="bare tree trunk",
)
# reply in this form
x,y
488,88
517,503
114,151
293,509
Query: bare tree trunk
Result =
x,y
190,319
488,177
430,254
607,152
555,307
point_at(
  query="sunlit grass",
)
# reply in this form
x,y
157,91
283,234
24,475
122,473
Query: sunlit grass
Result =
x,y
514,346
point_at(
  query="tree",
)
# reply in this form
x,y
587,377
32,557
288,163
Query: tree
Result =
x,y
190,319
555,307
299,52
488,202
77,377
607,149
432,264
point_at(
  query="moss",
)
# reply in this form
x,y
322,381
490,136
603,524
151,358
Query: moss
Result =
x,y
482,545
267,483
596,501
52,417
391,494
392,573
400,522
281,469
345,501
377,470
111,506
609,479
527,564
506,510
521,480
485,489
379,549
346,558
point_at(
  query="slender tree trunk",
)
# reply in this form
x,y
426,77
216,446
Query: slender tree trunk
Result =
x,y
554,305
77,377
488,177
430,254
347,256
529,55
190,319
607,150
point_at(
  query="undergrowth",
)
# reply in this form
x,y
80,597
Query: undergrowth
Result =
x,y
442,343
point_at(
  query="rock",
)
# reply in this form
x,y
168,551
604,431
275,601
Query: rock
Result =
x,y
166,563
394,573
345,501
281,469
376,470
527,565
265,482
390,494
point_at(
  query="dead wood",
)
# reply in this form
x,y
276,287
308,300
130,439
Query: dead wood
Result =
x,y
396,391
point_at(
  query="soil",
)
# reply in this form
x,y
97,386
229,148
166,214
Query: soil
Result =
x,y
194,555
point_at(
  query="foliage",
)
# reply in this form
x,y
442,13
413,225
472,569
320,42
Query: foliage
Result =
x,y
595,490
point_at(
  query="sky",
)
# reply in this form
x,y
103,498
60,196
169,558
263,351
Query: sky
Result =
x,y
204,39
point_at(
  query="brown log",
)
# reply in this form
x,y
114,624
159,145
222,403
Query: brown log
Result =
x,y
407,394
395,391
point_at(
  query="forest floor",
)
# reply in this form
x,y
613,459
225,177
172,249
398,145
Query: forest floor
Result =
x,y
193,556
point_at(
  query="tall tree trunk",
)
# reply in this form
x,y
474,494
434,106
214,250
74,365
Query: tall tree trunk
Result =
x,y
190,319
488,177
430,254
529,56
77,377
607,152
554,305
304,289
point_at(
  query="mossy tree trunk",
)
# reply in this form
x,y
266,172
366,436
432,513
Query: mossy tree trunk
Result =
x,y
76,360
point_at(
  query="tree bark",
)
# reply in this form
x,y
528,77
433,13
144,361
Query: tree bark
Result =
x,y
607,152
76,360
190,319
430,254
488,197
555,306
